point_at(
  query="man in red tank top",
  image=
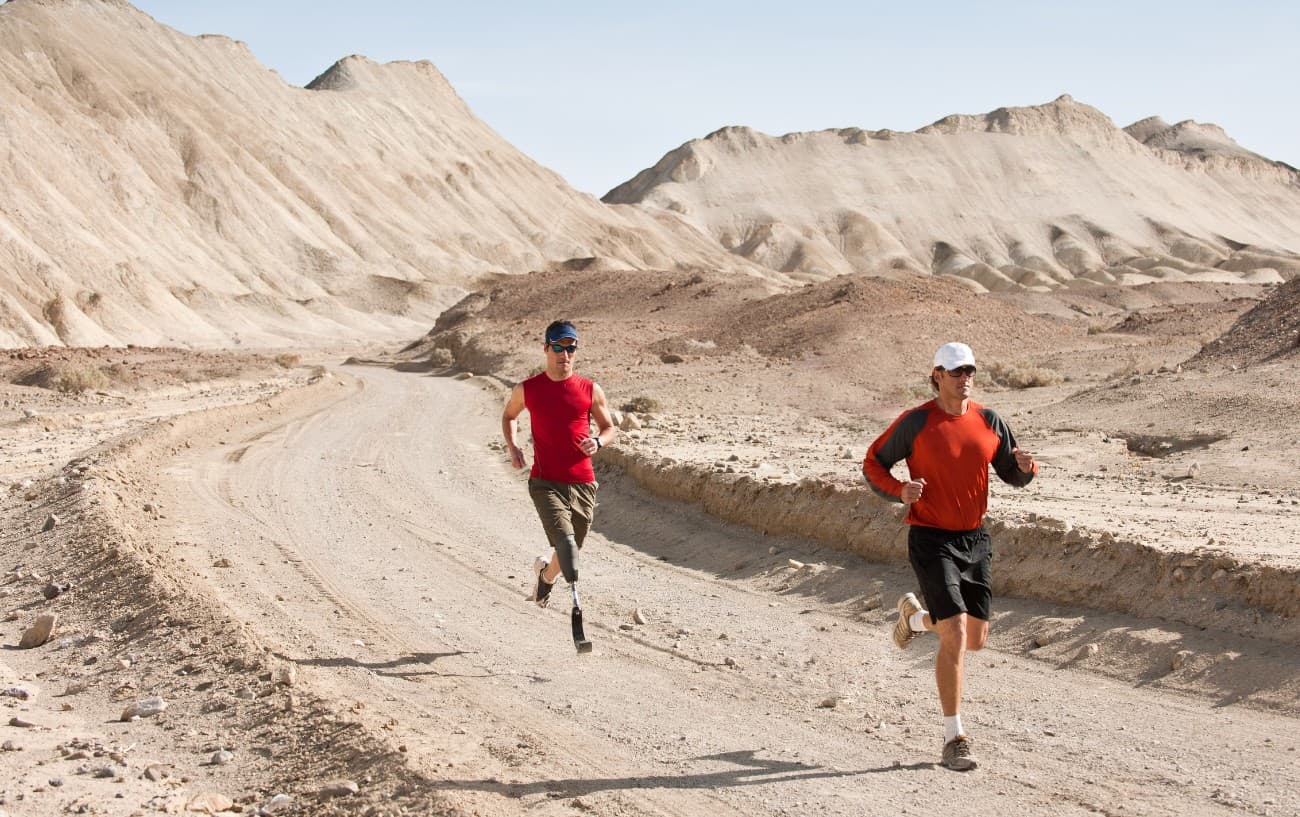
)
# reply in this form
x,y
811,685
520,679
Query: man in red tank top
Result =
x,y
561,407
949,444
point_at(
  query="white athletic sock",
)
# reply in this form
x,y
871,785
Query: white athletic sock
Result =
x,y
917,621
951,727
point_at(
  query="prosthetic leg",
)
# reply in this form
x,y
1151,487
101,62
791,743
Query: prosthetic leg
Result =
x,y
567,553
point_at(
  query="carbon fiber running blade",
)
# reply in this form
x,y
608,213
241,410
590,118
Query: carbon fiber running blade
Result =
x,y
579,636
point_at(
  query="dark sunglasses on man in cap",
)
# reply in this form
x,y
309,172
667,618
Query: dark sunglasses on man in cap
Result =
x,y
560,348
961,371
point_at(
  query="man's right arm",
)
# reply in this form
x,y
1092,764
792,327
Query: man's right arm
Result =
x,y
514,407
890,448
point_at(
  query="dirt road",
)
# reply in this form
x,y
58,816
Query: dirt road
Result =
x,y
383,545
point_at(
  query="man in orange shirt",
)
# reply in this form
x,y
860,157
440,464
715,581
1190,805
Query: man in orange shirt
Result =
x,y
949,444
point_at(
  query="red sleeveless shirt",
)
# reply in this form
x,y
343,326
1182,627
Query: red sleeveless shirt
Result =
x,y
560,414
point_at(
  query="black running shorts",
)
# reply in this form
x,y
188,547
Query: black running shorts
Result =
x,y
954,569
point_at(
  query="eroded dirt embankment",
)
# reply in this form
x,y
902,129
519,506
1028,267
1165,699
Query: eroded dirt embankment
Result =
x,y
136,623
1037,557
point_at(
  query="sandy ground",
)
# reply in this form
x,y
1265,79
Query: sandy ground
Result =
x,y
337,578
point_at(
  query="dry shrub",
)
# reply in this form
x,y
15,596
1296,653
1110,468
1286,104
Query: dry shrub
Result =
x,y
1021,376
642,405
441,358
121,374
70,378
287,360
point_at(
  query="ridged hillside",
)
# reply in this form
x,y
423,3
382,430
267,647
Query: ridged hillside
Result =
x,y
164,189
1037,197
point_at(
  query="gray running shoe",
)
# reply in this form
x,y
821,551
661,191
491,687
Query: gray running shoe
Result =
x,y
957,755
903,633
542,591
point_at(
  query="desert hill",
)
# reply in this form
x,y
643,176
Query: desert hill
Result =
x,y
170,190
1039,197
1269,332
162,189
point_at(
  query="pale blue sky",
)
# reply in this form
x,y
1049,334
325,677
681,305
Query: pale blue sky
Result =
x,y
597,91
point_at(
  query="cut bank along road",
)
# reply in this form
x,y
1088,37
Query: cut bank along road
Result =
x,y
383,544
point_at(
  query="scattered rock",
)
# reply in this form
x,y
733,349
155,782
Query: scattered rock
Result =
x,y
1180,659
209,802
1088,650
221,758
55,589
729,661
277,804
630,422
145,708
156,772
829,702
51,522
286,676
20,693
75,688
795,564
39,632
338,788
638,616
21,723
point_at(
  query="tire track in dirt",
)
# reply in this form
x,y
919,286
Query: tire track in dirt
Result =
x,y
234,487
636,729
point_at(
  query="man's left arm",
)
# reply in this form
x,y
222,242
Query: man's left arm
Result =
x,y
1013,466
605,429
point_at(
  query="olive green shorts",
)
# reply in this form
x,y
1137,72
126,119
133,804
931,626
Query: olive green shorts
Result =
x,y
565,508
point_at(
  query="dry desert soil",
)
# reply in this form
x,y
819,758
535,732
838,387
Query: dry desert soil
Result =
x,y
321,568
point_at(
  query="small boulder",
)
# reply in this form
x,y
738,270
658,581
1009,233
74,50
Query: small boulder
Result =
x,y
145,708
39,632
338,788
209,802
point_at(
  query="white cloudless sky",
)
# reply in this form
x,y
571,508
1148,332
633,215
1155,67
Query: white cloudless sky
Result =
x,y
598,91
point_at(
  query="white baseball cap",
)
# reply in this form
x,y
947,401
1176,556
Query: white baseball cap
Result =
x,y
953,356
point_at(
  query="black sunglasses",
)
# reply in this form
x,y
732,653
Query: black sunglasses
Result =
x,y
961,371
560,348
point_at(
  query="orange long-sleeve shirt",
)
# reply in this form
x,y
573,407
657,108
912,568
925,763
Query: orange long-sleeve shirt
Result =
x,y
952,453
